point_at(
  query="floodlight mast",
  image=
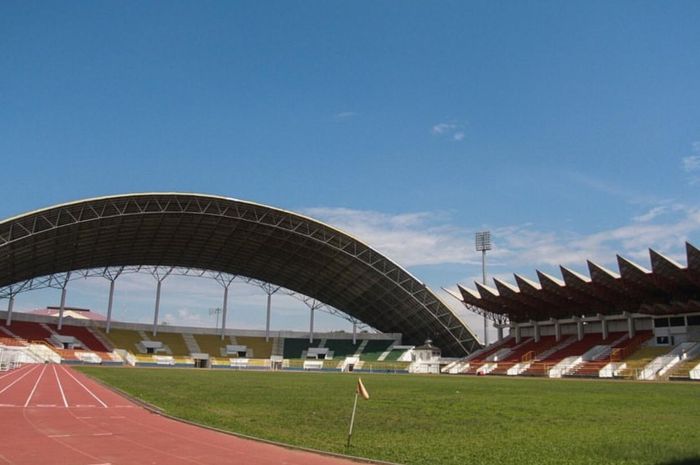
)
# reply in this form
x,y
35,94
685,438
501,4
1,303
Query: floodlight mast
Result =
x,y
483,243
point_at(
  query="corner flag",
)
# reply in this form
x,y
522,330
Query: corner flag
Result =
x,y
361,389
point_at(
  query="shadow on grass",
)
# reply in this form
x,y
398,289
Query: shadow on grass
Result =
x,y
688,461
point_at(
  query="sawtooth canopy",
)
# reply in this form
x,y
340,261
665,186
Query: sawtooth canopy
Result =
x,y
231,236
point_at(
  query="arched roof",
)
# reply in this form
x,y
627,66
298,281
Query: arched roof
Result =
x,y
236,237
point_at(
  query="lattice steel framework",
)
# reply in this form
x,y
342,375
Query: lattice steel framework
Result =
x,y
234,237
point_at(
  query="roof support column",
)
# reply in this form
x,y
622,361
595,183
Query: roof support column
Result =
x,y
311,325
557,330
112,277
630,325
10,305
225,281
63,301
157,309
579,328
603,325
354,332
536,330
518,336
269,290
160,278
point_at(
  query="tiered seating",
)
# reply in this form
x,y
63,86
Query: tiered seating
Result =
x,y
67,355
342,347
174,341
293,348
618,352
126,339
394,355
29,330
83,335
682,370
212,344
589,341
261,348
478,359
523,352
640,358
374,349
11,341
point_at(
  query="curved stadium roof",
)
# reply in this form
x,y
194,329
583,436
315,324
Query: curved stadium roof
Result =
x,y
236,237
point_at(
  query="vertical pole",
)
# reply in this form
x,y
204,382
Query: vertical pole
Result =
x,y
63,301
10,305
267,320
500,333
518,336
603,326
536,330
352,420
630,326
109,305
311,324
224,312
557,330
579,329
354,332
155,313
483,275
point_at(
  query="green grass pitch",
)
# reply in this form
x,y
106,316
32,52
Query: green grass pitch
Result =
x,y
437,419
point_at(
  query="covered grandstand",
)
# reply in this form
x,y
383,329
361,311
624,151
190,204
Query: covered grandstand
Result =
x,y
636,323
230,237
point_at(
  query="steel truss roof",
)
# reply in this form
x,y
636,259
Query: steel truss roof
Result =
x,y
667,289
234,237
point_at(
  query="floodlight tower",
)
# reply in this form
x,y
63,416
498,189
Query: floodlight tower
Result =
x,y
483,243
216,311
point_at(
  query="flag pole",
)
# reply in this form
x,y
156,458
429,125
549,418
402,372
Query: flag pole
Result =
x,y
352,419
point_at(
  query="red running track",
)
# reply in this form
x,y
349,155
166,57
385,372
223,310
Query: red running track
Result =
x,y
51,414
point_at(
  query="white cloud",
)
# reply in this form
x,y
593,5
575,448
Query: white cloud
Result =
x,y
452,129
691,163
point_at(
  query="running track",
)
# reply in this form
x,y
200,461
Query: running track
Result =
x,y
53,414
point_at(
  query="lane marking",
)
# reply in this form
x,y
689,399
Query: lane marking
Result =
x,y
101,434
84,387
46,405
11,384
59,435
60,387
18,370
35,386
8,405
85,405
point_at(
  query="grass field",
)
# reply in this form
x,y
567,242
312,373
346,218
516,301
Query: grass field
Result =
x,y
437,420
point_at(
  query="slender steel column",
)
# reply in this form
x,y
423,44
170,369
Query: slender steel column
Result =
x,y
354,332
155,313
224,312
579,329
267,320
483,275
63,301
10,305
630,326
311,324
557,330
603,326
536,330
109,306
500,333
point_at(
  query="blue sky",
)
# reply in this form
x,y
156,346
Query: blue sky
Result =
x,y
570,129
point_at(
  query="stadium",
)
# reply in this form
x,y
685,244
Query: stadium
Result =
x,y
637,324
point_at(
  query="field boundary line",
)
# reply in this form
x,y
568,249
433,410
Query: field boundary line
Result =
x,y
159,411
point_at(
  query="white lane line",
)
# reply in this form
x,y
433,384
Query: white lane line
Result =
x,y
84,387
101,434
59,435
18,370
26,404
8,405
60,387
10,385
